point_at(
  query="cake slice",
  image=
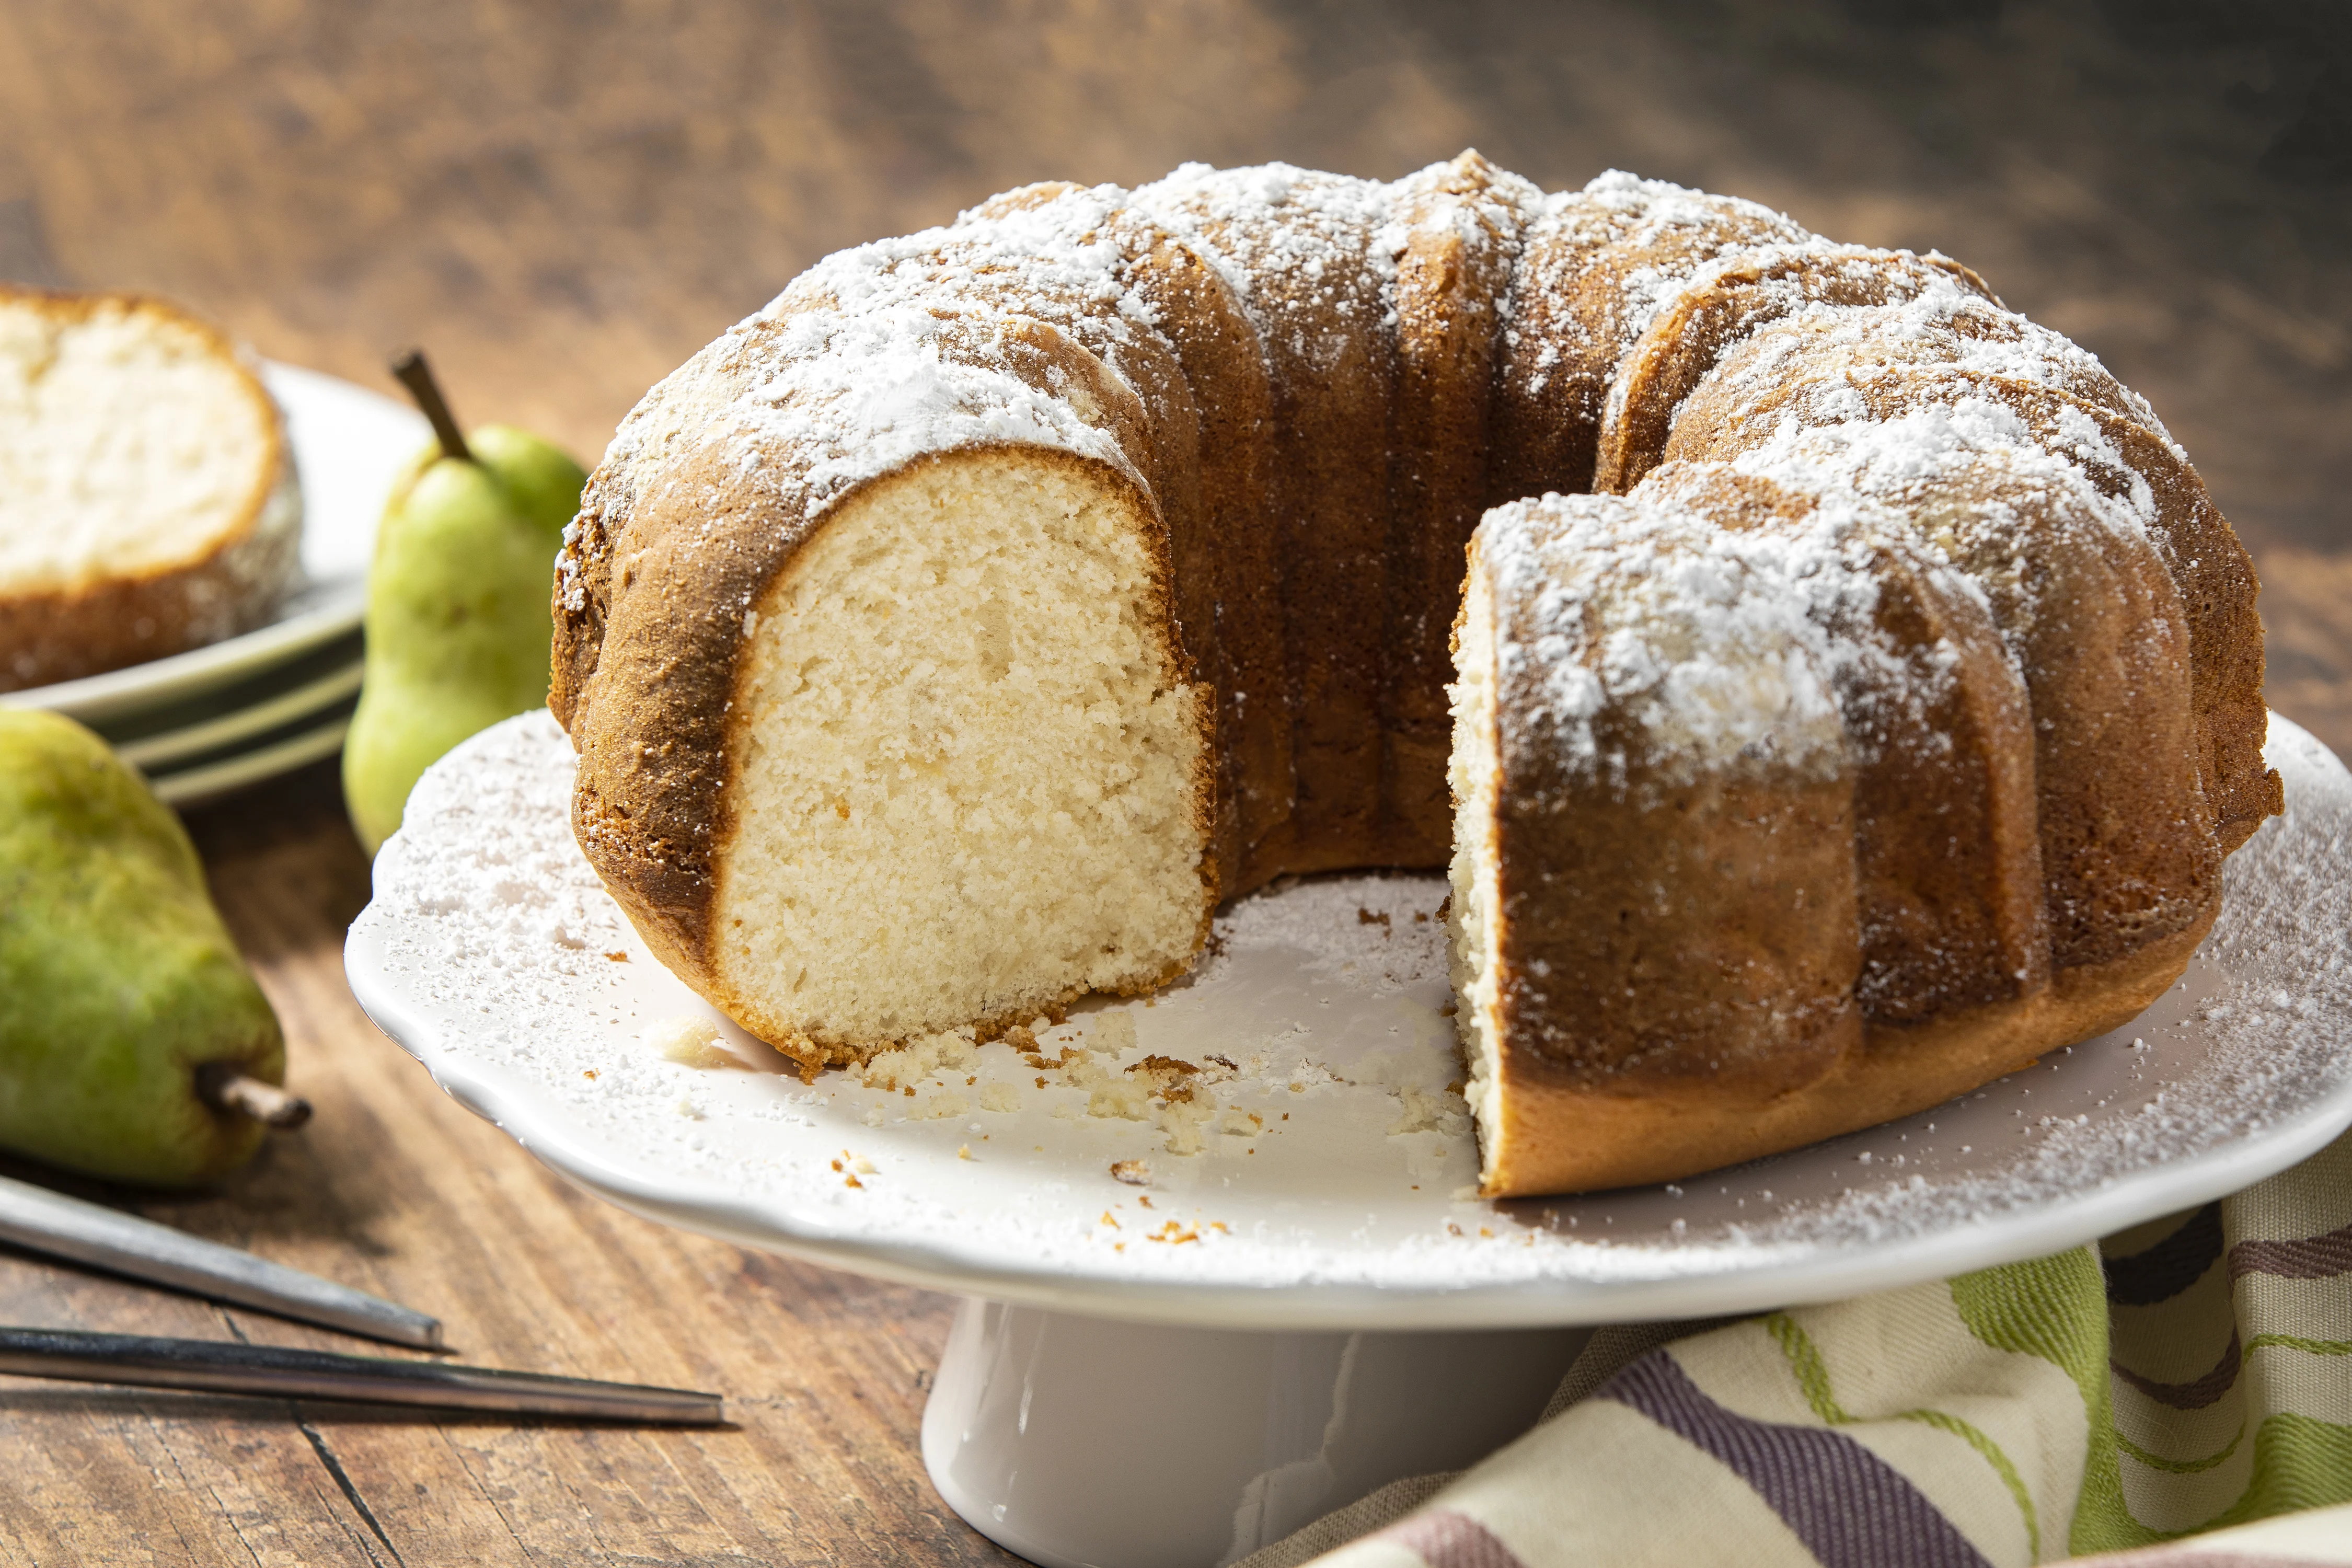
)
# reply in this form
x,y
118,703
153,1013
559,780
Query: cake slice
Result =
x,y
148,500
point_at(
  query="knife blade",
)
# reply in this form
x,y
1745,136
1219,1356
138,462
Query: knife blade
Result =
x,y
43,1221
220,1367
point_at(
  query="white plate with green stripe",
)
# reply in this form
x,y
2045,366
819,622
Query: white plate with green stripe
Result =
x,y
1327,1186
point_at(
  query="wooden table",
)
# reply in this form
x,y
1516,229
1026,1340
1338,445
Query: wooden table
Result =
x,y
564,203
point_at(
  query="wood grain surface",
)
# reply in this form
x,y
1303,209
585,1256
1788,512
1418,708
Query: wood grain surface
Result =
x,y
563,201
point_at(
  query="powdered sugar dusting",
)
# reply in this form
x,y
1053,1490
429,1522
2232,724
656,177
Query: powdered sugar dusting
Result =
x,y
1725,649
1325,235
889,351
1654,205
1655,216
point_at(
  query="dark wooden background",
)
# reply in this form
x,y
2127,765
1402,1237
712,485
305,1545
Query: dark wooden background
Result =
x,y
563,198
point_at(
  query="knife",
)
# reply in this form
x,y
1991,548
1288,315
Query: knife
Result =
x,y
43,1221
221,1366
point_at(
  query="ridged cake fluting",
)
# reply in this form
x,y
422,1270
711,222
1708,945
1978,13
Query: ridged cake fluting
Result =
x,y
1852,692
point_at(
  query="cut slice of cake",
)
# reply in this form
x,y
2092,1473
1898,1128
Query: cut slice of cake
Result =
x,y
148,498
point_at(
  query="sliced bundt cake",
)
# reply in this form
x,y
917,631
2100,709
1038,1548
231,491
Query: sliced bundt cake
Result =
x,y
1853,697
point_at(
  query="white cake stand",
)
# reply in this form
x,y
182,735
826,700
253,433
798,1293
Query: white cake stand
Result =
x,y
1312,1303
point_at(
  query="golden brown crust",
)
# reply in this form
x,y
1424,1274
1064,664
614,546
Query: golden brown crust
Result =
x,y
1574,311
1723,308
1560,1136
65,635
1330,341
1461,241
2208,567
1213,405
1232,552
1656,922
649,805
1948,870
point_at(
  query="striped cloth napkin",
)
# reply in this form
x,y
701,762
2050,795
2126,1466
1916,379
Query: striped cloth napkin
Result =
x,y
2190,1376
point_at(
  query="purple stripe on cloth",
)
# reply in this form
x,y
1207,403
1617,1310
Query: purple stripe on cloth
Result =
x,y
2318,1258
1445,1538
2194,1395
2168,1267
1851,1507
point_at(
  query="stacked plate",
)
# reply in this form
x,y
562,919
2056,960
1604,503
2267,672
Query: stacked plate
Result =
x,y
203,724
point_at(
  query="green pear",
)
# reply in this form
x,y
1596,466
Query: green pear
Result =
x,y
118,983
457,621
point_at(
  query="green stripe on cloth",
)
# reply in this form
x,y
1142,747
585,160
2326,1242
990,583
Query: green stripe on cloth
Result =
x,y
2298,1463
2297,1343
2314,1537
2056,1308
2001,1465
2180,1467
1813,1374
2048,1308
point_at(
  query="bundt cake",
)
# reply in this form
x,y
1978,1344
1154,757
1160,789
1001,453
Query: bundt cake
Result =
x,y
148,498
1852,696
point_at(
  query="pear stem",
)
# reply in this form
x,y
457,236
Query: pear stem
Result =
x,y
232,1092
417,376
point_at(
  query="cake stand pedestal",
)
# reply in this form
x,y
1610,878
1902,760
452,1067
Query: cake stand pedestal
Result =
x,y
1079,1442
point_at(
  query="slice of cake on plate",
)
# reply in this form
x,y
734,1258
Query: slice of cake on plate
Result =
x,y
148,498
